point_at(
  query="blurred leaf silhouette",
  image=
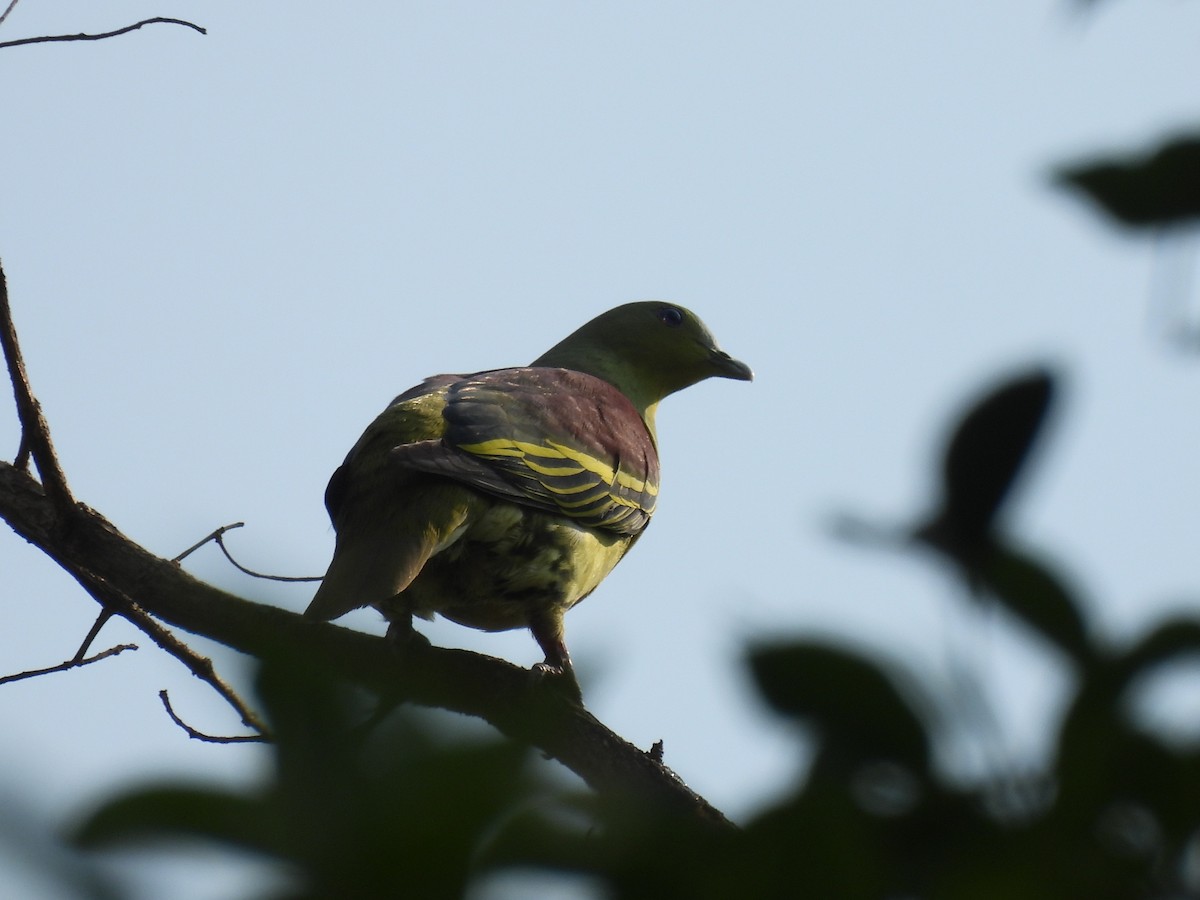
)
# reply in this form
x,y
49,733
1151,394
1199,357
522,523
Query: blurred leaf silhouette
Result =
x,y
982,460
398,810
988,450
854,706
1159,189
1033,593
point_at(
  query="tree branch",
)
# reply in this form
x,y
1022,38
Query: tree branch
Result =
x,y
51,38
514,700
36,443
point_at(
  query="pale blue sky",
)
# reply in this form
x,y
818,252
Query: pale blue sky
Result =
x,y
226,253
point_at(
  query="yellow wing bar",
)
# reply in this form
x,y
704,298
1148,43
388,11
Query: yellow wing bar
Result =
x,y
582,486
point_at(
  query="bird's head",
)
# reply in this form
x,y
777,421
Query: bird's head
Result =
x,y
647,350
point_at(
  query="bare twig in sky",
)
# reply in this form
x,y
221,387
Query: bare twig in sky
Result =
x,y
75,662
51,38
209,738
218,537
7,10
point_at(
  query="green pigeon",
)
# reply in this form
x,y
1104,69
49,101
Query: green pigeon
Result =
x,y
503,498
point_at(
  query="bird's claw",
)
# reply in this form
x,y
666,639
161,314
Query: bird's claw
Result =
x,y
559,678
403,638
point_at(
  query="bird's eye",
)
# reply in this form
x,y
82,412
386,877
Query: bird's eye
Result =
x,y
670,316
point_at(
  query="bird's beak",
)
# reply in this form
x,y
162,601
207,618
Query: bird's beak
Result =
x,y
728,367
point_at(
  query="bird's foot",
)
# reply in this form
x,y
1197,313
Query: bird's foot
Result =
x,y
559,678
403,638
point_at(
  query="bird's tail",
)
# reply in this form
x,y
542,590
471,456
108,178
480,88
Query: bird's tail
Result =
x,y
379,554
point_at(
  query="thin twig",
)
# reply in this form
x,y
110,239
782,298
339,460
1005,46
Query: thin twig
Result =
x,y
204,540
218,537
210,738
237,565
4,15
35,433
49,38
101,620
73,663
200,666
